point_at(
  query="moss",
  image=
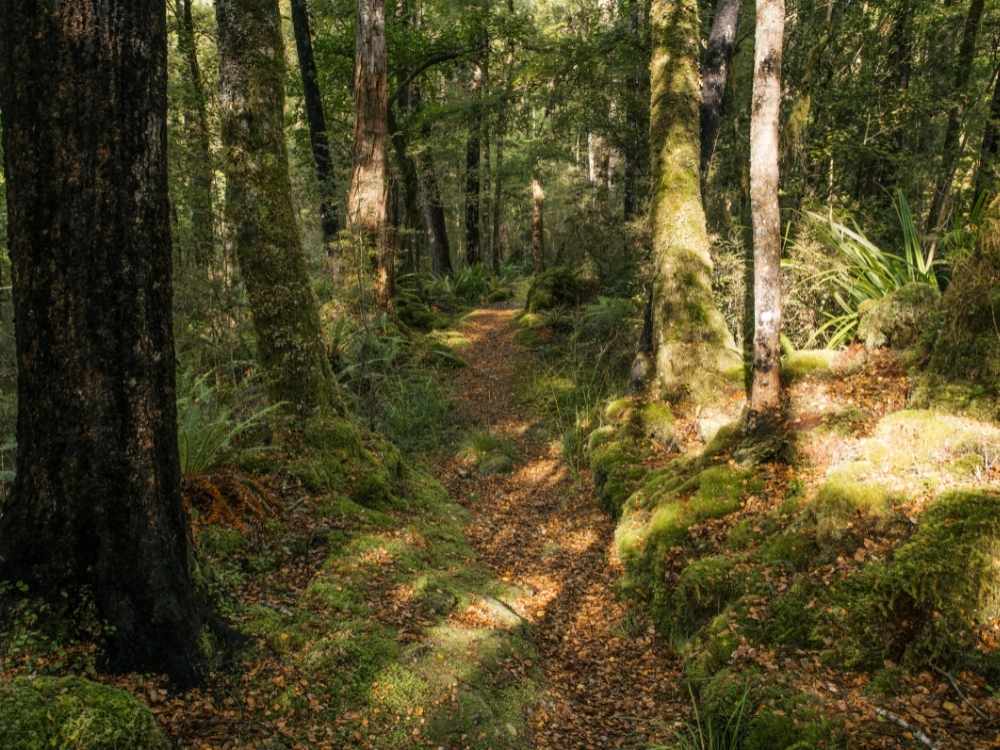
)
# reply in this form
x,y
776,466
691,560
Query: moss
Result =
x,y
927,603
559,287
495,463
748,711
808,362
975,400
618,409
703,589
530,320
599,437
711,648
491,454
618,472
792,549
841,501
898,319
793,618
657,422
70,713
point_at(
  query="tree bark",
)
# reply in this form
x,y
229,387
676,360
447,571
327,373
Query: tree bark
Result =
x,y
765,390
196,118
259,209
409,182
986,174
316,116
96,501
537,225
950,145
694,348
434,215
718,55
472,156
367,208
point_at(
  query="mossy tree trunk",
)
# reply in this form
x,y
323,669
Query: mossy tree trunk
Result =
x,y
718,54
693,345
367,200
765,389
96,502
259,211
196,122
316,117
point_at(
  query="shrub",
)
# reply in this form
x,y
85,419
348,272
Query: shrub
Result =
x,y
70,713
559,287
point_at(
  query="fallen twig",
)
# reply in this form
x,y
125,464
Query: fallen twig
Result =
x,y
918,733
962,696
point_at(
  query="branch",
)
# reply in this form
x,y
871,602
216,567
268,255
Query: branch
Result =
x,y
917,732
430,62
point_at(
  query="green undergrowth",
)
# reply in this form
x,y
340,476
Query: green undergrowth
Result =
x,y
372,632
71,713
489,453
892,558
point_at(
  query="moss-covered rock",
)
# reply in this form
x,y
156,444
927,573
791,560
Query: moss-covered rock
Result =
x,y
559,287
898,319
748,711
70,713
657,421
841,501
927,603
711,647
618,470
702,591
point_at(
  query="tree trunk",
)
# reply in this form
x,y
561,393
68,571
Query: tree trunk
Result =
x,y
537,225
472,154
259,209
496,252
765,390
950,146
719,53
986,174
410,183
96,500
694,348
318,139
367,208
434,215
196,118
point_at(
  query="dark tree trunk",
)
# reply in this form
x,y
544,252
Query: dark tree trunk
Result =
x,y
950,146
196,118
986,175
434,216
537,225
318,139
765,390
718,54
96,502
472,155
259,209
367,207
409,182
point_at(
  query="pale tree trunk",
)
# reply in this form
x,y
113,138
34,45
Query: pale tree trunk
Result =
x,y
718,55
96,504
316,116
259,210
537,225
765,390
951,146
694,348
196,120
367,201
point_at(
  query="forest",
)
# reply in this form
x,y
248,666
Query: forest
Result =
x,y
500,375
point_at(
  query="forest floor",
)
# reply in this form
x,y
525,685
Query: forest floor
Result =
x,y
480,608
606,680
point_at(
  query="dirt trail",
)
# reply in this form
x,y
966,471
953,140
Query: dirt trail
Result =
x,y
604,685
